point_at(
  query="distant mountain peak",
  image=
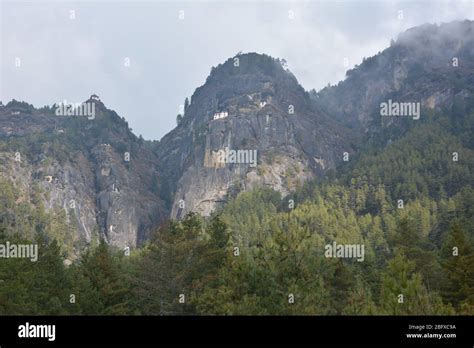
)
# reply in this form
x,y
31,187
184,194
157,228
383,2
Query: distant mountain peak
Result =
x,y
250,64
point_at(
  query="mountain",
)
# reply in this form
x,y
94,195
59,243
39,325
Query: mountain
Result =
x,y
94,169
250,125
267,113
379,170
431,64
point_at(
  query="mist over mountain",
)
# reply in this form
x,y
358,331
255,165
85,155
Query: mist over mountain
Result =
x,y
265,199
251,125
418,66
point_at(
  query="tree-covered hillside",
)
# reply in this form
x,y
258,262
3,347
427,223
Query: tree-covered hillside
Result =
x,y
409,202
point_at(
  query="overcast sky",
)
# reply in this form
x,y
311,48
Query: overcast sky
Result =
x,y
64,58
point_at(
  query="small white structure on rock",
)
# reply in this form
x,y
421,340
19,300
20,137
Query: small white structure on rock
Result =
x,y
263,103
220,115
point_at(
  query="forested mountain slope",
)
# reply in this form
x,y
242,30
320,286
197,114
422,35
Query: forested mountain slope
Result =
x,y
337,171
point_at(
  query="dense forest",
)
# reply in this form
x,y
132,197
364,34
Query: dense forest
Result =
x,y
409,201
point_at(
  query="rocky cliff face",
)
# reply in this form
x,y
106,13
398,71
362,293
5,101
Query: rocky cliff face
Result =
x,y
251,124
253,108
95,169
260,106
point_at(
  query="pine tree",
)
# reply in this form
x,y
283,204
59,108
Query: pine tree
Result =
x,y
103,272
403,292
186,104
458,265
169,267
